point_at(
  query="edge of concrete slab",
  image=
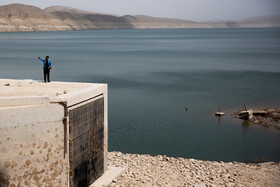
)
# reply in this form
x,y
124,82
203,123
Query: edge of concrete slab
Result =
x,y
107,178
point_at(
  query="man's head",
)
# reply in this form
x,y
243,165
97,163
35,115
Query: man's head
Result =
x,y
47,57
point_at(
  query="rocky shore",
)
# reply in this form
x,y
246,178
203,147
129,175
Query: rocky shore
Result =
x,y
267,117
146,170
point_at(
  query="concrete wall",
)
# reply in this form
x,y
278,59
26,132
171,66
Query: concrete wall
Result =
x,y
32,146
35,138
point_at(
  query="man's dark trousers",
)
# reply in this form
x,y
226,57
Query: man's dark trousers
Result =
x,y
47,73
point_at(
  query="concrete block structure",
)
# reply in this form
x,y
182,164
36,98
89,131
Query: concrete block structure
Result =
x,y
52,134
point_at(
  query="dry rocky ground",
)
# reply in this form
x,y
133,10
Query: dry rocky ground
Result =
x,y
271,118
146,170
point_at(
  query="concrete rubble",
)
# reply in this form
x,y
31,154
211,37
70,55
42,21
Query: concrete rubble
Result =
x,y
155,171
267,117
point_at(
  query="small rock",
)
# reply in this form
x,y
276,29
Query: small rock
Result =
x,y
199,185
226,175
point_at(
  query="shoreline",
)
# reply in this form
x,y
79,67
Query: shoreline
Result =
x,y
152,28
20,17
146,170
266,117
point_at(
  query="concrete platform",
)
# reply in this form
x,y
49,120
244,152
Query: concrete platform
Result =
x,y
107,178
30,92
49,130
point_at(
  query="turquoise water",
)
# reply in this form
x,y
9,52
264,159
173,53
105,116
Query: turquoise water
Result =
x,y
153,75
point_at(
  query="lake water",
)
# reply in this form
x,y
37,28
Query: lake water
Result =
x,y
153,75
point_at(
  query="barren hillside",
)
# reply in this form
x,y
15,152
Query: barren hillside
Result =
x,y
19,17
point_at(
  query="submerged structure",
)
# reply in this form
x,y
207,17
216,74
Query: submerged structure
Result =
x,y
52,134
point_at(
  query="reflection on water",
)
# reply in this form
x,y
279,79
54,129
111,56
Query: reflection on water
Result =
x,y
154,74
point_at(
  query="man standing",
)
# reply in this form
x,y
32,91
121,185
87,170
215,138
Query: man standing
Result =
x,y
46,68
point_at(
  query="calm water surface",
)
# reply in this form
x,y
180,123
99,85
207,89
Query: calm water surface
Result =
x,y
153,75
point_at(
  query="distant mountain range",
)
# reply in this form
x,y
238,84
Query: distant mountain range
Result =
x,y
19,17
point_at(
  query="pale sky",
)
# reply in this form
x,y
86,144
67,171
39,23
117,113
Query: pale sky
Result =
x,y
197,10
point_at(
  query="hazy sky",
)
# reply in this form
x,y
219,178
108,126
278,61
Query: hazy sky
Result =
x,y
198,10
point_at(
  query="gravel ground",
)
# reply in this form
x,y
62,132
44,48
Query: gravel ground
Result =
x,y
146,170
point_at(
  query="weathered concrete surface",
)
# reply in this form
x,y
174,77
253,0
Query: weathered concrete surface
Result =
x,y
23,101
34,129
109,176
34,114
32,146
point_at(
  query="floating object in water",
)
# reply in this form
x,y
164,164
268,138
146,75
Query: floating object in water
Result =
x,y
219,113
186,108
